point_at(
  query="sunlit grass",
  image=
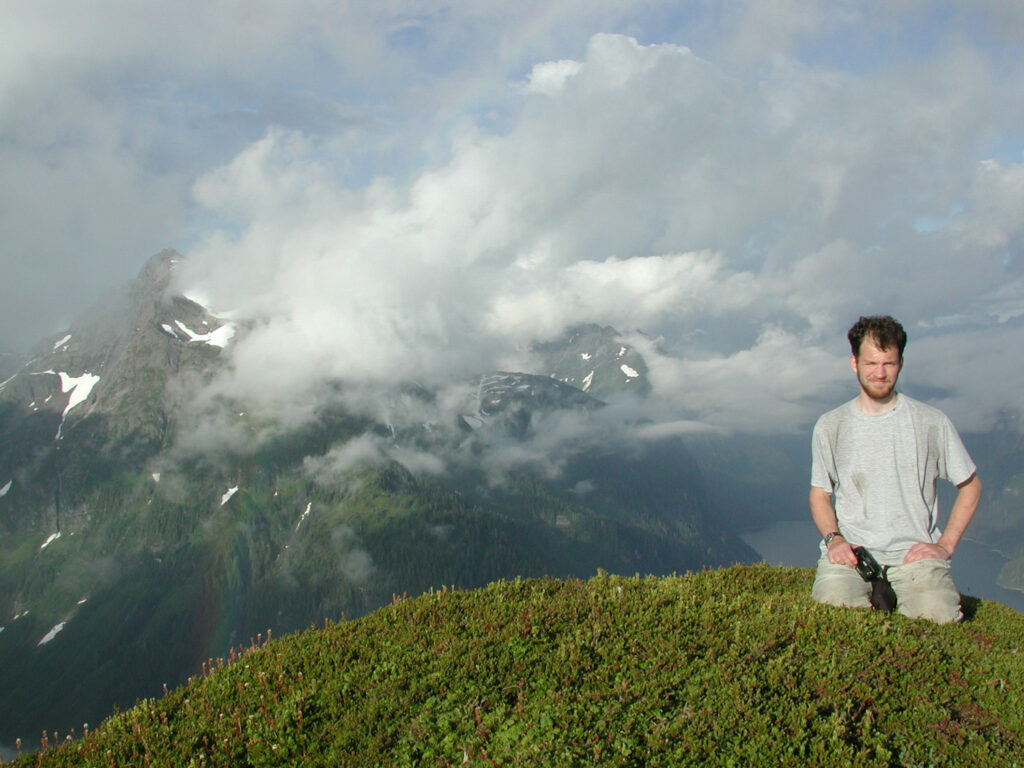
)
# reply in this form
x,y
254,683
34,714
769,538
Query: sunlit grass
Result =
x,y
727,667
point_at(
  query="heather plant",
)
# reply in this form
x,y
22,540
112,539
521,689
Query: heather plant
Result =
x,y
726,667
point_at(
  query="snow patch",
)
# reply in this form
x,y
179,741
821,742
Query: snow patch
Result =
x,y
222,336
230,492
6,488
156,477
53,537
630,372
622,351
304,515
588,380
51,634
80,388
169,330
217,338
585,355
62,342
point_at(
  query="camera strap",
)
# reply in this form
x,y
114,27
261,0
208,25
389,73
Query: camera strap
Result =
x,y
883,596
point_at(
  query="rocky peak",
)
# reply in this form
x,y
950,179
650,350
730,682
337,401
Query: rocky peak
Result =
x,y
596,360
109,371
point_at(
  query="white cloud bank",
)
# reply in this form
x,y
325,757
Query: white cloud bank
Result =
x,y
418,190
743,222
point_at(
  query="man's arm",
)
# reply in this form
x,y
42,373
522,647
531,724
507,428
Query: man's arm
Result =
x,y
824,516
967,499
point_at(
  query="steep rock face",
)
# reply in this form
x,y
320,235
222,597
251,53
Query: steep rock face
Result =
x,y
97,395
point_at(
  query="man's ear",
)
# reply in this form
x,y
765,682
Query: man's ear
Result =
x,y
853,363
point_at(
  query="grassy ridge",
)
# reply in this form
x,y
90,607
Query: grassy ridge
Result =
x,y
727,667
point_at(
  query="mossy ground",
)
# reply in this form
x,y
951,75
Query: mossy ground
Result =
x,y
727,667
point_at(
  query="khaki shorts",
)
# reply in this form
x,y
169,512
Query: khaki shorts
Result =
x,y
924,589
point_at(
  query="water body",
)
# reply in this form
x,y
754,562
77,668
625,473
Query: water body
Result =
x,y
794,543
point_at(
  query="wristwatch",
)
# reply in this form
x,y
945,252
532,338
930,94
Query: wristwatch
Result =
x,y
828,537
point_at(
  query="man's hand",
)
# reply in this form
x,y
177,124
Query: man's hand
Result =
x,y
840,552
923,550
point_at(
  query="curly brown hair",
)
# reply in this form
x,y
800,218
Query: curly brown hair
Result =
x,y
885,331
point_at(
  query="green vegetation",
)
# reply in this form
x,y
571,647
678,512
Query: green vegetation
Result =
x,y
150,578
727,667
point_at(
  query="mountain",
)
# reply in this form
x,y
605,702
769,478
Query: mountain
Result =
x,y
999,521
596,360
147,525
149,522
733,666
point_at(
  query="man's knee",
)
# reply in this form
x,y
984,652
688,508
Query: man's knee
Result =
x,y
925,590
840,585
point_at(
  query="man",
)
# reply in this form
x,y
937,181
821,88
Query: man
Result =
x,y
879,457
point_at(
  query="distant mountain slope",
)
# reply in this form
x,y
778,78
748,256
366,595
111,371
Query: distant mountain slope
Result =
x,y
999,521
727,667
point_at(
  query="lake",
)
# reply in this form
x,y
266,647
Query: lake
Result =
x,y
976,567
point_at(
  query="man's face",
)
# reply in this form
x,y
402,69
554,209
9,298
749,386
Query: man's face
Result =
x,y
877,369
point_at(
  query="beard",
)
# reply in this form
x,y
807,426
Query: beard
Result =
x,y
877,389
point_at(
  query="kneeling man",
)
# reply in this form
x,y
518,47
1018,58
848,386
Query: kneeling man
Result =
x,y
875,463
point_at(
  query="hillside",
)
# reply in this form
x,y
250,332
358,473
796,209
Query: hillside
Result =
x,y
727,667
149,522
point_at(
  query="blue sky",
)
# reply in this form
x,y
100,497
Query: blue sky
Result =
x,y
430,186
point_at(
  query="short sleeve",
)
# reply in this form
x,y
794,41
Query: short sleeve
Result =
x,y
823,463
957,463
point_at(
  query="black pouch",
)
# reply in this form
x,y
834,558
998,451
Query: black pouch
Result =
x,y
883,597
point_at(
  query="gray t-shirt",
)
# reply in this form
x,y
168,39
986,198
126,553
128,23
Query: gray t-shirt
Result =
x,y
882,470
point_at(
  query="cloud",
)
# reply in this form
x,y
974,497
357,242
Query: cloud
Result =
x,y
355,563
72,167
416,192
971,372
369,451
744,224
359,452
781,379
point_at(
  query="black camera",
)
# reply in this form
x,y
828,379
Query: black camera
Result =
x,y
867,566
883,597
